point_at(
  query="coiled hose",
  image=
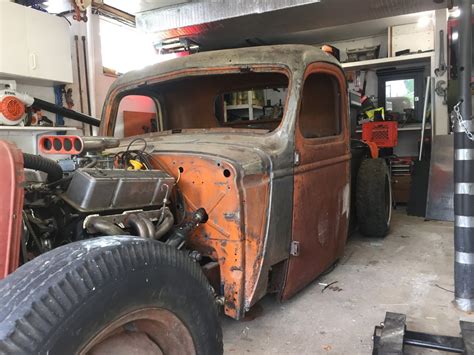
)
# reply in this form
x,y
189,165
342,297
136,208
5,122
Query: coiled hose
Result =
x,y
48,166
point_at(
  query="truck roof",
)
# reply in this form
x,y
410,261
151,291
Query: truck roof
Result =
x,y
293,56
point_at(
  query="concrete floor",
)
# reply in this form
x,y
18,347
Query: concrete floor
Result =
x,y
402,273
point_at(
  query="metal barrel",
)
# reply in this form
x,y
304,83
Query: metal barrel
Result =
x,y
464,173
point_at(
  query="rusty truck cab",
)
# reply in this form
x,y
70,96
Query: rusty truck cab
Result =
x,y
276,191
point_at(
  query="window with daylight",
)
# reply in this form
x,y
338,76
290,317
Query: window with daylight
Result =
x,y
124,48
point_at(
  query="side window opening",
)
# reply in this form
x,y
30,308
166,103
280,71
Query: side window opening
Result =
x,y
320,107
137,114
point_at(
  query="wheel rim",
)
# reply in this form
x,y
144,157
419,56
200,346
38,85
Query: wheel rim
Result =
x,y
145,331
388,200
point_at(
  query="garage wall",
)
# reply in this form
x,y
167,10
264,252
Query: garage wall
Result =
x,y
361,42
46,92
99,83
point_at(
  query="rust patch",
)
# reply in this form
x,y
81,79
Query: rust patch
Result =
x,y
220,196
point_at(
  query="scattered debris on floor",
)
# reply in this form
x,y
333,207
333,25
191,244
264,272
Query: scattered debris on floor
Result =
x,y
330,286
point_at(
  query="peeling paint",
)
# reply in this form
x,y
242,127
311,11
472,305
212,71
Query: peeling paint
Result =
x,y
346,200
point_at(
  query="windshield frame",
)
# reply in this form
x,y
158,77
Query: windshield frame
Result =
x,y
109,114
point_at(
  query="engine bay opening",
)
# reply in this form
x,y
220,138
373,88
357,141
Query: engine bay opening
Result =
x,y
98,192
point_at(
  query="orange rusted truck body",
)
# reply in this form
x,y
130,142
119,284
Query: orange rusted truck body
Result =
x,y
278,197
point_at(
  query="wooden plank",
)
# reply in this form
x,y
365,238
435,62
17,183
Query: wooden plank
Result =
x,y
136,123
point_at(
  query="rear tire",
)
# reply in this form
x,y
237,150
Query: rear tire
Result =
x,y
68,300
373,198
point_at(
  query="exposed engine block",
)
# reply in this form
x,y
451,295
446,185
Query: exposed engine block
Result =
x,y
101,190
94,194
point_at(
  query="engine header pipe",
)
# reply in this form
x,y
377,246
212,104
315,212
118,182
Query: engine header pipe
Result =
x,y
464,171
48,106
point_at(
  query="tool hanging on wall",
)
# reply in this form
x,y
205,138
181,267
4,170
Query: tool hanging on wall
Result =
x,y
442,90
58,100
441,64
86,73
80,7
79,78
68,98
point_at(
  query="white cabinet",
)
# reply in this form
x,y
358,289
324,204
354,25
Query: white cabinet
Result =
x,y
35,47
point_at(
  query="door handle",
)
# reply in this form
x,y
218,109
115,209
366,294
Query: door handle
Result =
x,y
297,158
33,61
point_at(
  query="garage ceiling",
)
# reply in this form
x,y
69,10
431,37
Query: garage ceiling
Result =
x,y
344,32
234,23
135,6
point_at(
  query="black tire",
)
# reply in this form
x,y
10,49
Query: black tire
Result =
x,y
62,299
373,198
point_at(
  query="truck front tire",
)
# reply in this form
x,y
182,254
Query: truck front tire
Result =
x,y
373,198
106,295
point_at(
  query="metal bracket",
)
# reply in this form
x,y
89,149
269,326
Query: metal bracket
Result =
x,y
391,336
295,248
297,158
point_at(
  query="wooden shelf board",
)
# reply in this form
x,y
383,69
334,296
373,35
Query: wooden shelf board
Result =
x,y
243,107
384,62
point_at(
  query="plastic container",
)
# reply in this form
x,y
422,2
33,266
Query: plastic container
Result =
x,y
382,133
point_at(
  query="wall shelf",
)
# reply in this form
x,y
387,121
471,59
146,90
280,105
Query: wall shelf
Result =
x,y
248,106
384,62
38,128
243,107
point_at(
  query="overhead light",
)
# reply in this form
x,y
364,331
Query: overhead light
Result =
x,y
424,21
455,12
176,45
455,35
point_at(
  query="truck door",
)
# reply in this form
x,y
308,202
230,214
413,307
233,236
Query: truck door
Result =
x,y
321,177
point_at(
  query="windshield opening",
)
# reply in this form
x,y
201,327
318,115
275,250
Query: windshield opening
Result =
x,y
247,100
